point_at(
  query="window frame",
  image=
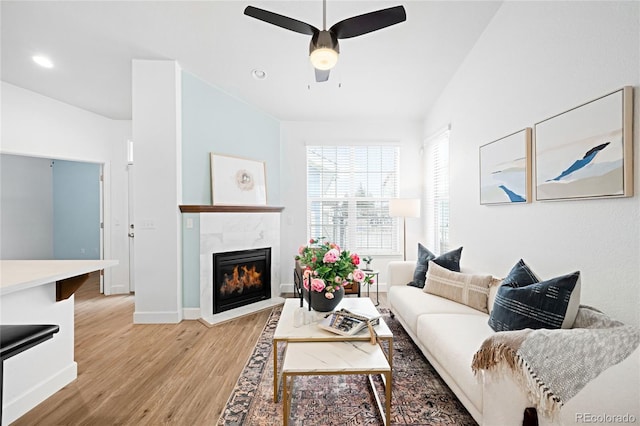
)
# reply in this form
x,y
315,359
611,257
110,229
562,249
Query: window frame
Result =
x,y
436,190
388,237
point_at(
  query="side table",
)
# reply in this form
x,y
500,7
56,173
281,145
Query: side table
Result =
x,y
377,276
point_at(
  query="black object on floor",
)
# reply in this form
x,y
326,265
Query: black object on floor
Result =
x,y
530,417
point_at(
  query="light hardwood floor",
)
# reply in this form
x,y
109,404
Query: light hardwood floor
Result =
x,y
177,374
128,374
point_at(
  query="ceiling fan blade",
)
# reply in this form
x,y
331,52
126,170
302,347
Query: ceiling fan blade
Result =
x,y
372,21
280,20
321,75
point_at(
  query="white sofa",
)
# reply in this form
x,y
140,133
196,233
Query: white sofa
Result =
x,y
450,333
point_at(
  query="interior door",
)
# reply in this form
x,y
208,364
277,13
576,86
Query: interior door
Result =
x,y
131,228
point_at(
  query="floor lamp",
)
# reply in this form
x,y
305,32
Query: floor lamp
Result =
x,y
404,208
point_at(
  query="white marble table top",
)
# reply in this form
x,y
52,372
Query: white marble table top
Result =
x,y
334,357
285,330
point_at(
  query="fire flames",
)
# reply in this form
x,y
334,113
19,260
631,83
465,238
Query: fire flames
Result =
x,y
242,278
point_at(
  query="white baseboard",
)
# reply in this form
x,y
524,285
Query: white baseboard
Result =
x,y
157,317
119,289
190,313
286,288
242,311
12,410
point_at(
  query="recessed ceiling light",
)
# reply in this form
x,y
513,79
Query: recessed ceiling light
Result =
x,y
259,74
43,61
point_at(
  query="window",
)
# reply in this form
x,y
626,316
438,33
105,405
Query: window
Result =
x,y
437,191
348,192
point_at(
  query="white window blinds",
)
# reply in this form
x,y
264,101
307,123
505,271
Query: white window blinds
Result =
x,y
437,191
348,192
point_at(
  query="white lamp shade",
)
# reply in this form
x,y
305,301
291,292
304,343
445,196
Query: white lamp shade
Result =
x,y
404,207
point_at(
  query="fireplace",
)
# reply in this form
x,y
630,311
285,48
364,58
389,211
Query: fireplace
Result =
x,y
241,278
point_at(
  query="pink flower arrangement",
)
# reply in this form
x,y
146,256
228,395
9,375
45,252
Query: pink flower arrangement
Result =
x,y
329,268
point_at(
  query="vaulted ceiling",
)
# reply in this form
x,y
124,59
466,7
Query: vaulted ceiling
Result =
x,y
394,73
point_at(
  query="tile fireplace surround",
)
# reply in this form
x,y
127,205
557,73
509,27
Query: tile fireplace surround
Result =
x,y
228,228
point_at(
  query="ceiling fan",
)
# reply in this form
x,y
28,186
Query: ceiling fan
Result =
x,y
324,48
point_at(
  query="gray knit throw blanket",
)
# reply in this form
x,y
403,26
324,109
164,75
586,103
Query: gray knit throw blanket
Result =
x,y
554,365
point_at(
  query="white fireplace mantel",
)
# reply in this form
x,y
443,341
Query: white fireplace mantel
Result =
x,y
231,228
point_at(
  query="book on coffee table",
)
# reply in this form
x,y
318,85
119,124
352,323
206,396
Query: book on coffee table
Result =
x,y
347,323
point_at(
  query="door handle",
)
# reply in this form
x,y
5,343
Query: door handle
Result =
x,y
130,234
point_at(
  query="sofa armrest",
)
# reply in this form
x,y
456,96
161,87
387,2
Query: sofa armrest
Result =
x,y
400,272
614,392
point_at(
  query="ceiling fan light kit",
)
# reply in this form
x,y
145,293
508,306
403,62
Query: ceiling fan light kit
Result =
x,y
323,58
324,49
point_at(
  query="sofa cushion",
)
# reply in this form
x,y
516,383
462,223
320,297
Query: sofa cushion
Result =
x,y
493,290
549,304
453,339
409,303
449,260
468,289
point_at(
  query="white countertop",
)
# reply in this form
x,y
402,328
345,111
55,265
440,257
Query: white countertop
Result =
x,y
17,275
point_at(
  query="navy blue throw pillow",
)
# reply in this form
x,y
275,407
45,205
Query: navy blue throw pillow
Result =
x,y
520,276
422,264
449,260
533,305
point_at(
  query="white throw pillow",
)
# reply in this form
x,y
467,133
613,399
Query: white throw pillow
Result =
x,y
572,307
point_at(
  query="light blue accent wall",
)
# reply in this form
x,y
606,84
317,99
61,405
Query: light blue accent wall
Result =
x,y
76,210
214,121
191,260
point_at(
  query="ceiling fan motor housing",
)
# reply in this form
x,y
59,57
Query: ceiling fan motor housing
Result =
x,y
324,39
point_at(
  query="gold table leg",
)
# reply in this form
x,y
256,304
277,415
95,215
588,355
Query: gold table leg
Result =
x,y
275,371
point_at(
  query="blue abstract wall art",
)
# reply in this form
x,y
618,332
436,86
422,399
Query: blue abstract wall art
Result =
x,y
505,169
581,153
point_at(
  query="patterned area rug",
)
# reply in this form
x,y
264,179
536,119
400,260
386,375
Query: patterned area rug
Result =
x,y
419,396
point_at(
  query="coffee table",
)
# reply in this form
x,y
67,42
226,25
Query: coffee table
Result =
x,y
285,331
345,357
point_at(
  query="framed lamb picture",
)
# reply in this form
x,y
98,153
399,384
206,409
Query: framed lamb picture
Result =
x,y
586,152
505,169
237,181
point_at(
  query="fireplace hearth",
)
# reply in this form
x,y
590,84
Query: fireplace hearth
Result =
x,y
241,278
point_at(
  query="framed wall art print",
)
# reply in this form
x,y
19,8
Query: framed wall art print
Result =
x,y
505,169
586,152
237,181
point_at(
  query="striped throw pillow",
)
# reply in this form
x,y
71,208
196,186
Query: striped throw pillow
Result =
x,y
550,304
468,289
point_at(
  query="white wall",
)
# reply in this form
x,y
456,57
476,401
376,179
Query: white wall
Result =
x,y
158,191
38,126
534,60
295,136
